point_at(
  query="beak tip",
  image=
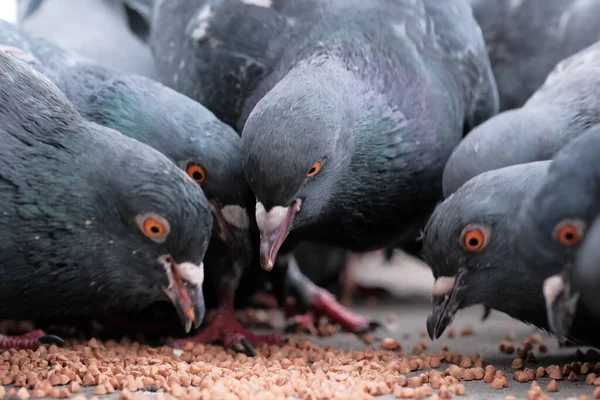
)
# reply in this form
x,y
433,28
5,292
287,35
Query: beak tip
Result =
x,y
431,327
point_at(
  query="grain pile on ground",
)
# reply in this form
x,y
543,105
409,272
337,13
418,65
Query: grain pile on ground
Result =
x,y
301,369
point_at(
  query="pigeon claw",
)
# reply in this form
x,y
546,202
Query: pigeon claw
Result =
x,y
302,323
225,329
31,340
325,304
51,339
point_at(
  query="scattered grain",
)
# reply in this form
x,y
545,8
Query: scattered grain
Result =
x,y
556,373
368,339
497,383
390,344
517,363
466,331
552,386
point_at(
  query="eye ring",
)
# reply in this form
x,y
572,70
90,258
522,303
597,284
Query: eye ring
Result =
x,y
196,172
154,227
316,167
475,237
569,232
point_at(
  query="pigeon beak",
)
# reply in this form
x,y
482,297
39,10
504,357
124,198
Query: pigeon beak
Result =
x,y
446,299
185,290
561,304
274,227
233,224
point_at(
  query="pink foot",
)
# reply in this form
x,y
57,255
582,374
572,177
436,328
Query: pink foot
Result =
x,y
264,300
226,329
324,304
302,323
31,340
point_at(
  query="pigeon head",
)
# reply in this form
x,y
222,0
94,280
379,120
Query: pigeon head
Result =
x,y
193,138
110,221
467,245
553,222
295,144
165,224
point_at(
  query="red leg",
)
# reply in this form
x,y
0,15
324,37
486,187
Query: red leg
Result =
x,y
264,300
302,323
226,329
31,340
319,302
325,304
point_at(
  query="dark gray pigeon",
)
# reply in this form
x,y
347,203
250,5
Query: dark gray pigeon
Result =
x,y
553,223
325,166
566,105
251,36
527,38
586,272
102,31
467,244
296,58
183,130
92,221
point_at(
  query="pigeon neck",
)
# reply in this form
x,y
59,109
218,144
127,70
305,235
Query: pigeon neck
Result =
x,y
520,296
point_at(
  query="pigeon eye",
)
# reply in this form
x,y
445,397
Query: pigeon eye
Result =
x,y
196,172
314,169
475,237
155,227
569,232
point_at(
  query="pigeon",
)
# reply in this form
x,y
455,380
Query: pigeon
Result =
x,y
553,221
102,31
527,38
467,245
561,109
222,77
322,164
92,221
217,52
586,272
192,137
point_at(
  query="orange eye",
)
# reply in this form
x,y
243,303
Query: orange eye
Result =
x,y
475,237
314,169
569,232
196,172
154,228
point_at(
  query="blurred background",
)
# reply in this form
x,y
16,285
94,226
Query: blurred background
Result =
x,y
8,10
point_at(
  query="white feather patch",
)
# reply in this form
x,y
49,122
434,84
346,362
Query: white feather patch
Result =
x,y
443,285
553,286
191,273
203,22
236,216
258,3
